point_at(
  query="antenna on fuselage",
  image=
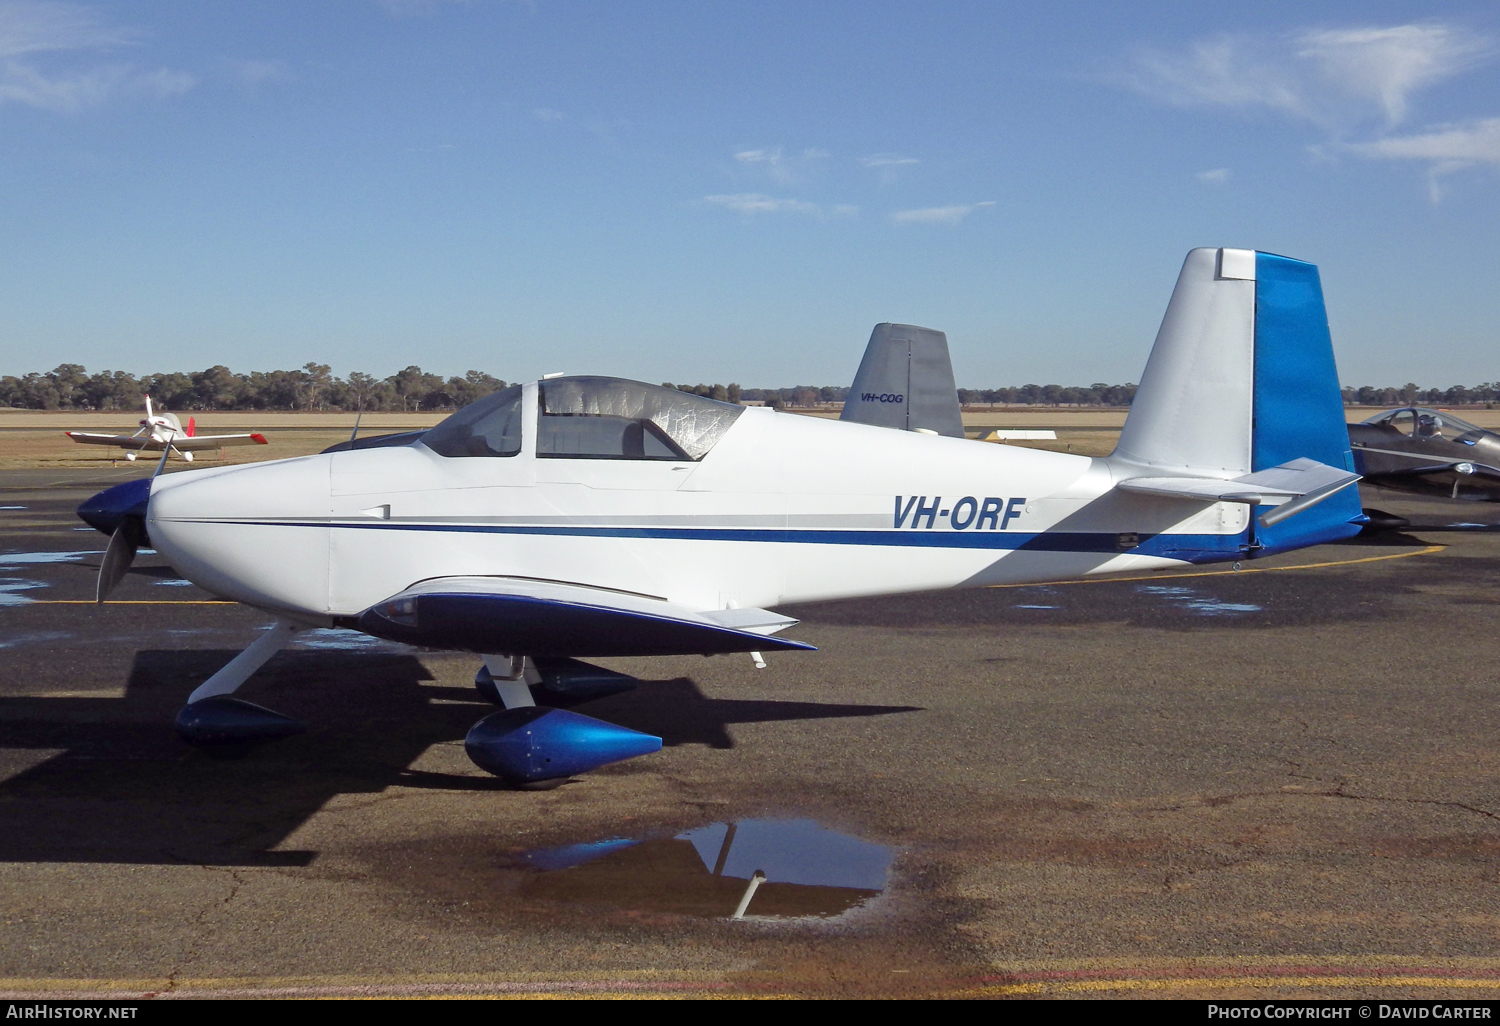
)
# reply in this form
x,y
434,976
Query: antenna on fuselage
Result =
x,y
357,417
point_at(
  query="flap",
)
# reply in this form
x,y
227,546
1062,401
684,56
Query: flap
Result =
x,y
519,616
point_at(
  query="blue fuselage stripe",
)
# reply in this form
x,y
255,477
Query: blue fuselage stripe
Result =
x,y
1177,546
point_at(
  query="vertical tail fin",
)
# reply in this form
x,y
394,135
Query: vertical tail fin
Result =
x,y
192,426
905,381
1242,379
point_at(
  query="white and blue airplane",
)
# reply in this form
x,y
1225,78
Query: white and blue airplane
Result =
x,y
579,517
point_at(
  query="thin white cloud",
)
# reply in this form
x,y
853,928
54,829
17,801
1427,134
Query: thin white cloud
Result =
x,y
1217,176
750,204
781,168
1350,82
938,215
774,163
1445,149
548,114
42,30
41,26
1336,78
887,160
764,156
1384,66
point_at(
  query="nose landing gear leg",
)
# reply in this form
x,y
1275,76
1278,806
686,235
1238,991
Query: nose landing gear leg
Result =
x,y
213,720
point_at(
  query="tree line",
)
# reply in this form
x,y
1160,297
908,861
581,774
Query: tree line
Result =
x,y
314,387
311,387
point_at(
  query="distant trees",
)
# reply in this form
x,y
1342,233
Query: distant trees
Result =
x,y
69,386
1409,394
312,387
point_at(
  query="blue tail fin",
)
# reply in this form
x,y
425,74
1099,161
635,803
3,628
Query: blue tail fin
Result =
x,y
1241,382
1298,406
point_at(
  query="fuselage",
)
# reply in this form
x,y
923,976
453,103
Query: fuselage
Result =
x,y
782,509
1427,451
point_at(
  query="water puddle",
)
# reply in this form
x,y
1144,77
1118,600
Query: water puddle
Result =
x,y
34,638
341,640
175,583
11,588
761,868
1190,599
12,507
1036,607
12,559
1470,525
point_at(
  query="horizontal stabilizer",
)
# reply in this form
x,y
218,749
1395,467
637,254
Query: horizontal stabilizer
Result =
x,y
1291,487
543,618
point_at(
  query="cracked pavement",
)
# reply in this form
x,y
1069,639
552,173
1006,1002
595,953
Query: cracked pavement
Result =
x,y
1219,770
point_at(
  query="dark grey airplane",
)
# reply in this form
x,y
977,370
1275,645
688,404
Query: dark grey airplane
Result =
x,y
1420,450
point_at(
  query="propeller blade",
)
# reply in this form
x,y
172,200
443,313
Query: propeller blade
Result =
x,y
118,557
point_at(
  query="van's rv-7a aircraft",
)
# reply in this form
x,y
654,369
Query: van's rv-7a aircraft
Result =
x,y
163,432
580,517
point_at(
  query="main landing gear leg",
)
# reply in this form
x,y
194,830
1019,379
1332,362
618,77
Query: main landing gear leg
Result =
x,y
213,720
506,681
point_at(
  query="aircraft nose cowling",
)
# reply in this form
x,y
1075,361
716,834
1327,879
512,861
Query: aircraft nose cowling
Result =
x,y
256,534
105,511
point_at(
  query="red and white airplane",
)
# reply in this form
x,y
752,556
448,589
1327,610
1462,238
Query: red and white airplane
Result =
x,y
160,431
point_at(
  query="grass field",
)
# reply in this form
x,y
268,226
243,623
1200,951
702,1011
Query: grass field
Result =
x,y
36,439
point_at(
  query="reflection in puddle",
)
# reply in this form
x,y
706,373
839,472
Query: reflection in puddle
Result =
x,y
1468,525
176,583
1036,607
12,507
10,588
1190,599
708,872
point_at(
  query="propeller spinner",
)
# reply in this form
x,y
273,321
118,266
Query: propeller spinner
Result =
x,y
119,512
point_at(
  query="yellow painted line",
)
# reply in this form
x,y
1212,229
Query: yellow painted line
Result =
x,y
1429,550
1232,982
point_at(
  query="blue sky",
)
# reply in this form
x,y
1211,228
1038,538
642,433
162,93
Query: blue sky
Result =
x,y
710,191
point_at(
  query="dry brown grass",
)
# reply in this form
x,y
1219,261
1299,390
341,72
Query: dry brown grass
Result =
x,y
29,439
35,439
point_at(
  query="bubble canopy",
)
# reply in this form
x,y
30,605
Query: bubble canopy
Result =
x,y
589,417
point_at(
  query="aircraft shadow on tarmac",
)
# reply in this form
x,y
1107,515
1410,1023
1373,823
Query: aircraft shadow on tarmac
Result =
x,y
122,788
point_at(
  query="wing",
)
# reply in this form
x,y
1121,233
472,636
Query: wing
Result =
x,y
1291,487
543,618
123,441
199,442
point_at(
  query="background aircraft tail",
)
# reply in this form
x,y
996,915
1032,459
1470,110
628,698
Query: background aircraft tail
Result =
x,y
1242,380
905,381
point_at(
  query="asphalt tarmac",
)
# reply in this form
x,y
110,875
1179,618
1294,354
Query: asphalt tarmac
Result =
x,y
1202,783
